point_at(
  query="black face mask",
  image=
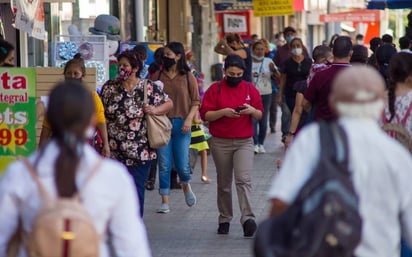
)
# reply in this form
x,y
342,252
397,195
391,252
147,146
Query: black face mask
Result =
x,y
73,80
168,62
8,65
233,81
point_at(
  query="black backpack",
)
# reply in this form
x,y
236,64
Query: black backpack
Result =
x,y
324,219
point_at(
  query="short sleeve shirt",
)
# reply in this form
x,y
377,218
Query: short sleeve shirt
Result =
x,y
295,72
126,126
319,89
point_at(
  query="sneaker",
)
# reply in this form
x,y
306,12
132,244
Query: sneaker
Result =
x,y
223,228
261,149
164,208
256,149
190,197
249,228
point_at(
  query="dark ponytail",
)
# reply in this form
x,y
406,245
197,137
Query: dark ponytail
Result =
x,y
69,113
399,70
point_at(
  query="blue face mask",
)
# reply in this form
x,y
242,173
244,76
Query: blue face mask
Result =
x,y
289,39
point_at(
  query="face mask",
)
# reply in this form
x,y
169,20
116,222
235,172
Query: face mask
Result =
x,y
257,58
233,81
168,62
124,74
8,65
289,39
360,42
74,79
297,51
89,133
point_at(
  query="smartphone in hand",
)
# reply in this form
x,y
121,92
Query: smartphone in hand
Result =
x,y
240,107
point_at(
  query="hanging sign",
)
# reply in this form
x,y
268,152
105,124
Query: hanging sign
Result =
x,y
263,8
233,23
29,17
17,114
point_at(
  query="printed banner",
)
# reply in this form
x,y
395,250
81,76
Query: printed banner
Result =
x,y
272,7
29,17
234,23
17,114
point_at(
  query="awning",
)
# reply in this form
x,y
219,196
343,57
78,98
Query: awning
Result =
x,y
390,4
355,16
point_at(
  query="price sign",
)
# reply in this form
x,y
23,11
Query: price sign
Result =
x,y
17,114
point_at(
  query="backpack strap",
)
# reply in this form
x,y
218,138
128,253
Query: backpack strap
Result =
x,y
160,73
89,177
43,192
333,142
408,112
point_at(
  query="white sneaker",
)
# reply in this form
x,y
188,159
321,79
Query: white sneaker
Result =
x,y
257,149
261,149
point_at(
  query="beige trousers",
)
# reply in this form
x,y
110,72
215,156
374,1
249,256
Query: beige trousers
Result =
x,y
233,158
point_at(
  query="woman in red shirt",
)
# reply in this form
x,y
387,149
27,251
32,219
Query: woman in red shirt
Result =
x,y
229,106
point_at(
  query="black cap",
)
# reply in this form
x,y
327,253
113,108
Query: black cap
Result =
x,y
234,60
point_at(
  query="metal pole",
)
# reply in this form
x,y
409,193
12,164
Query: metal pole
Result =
x,y
139,15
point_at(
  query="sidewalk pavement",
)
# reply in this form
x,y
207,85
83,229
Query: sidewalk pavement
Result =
x,y
191,232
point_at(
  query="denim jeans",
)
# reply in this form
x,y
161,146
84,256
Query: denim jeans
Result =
x,y
177,152
139,174
260,127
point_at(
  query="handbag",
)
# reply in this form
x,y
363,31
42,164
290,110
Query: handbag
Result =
x,y
159,127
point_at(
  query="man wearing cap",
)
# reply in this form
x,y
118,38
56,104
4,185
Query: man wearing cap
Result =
x,y
381,177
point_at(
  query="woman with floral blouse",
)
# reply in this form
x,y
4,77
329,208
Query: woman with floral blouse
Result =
x,y
126,126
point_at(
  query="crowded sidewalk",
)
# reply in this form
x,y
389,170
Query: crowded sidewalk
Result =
x,y
191,231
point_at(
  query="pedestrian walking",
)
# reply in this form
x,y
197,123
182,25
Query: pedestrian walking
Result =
x,y
181,86
125,111
357,95
229,106
63,166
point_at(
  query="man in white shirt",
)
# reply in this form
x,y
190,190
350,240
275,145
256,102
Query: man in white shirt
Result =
x,y
381,167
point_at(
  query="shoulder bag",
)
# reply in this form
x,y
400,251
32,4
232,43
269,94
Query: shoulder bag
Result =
x,y
159,127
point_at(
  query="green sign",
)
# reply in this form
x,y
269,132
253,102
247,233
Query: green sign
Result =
x,y
17,114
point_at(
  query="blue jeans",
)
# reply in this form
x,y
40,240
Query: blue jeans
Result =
x,y
177,150
260,127
139,174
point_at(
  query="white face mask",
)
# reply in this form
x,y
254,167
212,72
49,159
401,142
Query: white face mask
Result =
x,y
371,110
297,51
257,58
89,133
360,42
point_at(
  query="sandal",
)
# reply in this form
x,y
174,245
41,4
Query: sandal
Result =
x,y
205,180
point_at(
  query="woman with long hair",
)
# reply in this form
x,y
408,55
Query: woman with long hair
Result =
x,y
399,107
232,43
63,166
181,86
125,115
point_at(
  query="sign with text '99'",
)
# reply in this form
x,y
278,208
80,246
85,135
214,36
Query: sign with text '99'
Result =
x,y
17,114
234,23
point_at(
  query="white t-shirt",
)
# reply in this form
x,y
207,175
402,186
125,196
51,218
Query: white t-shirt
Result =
x,y
382,175
261,74
110,198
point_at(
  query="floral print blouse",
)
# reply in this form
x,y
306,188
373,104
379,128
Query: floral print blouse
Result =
x,y
126,126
